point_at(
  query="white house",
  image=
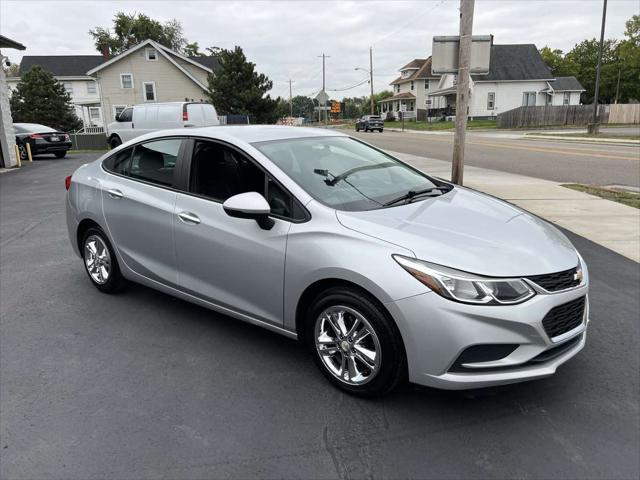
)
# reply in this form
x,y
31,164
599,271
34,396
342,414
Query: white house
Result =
x,y
71,71
101,87
150,72
517,76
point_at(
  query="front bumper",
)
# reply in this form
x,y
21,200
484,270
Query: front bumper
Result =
x,y
436,331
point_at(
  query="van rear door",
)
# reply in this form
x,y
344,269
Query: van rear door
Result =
x,y
195,116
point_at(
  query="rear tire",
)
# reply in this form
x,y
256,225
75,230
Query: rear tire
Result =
x,y
100,262
354,342
60,154
114,142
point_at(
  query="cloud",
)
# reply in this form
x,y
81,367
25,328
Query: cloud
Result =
x,y
285,38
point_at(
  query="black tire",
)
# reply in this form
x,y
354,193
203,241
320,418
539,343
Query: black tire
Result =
x,y
392,368
381,130
357,129
22,150
60,154
115,281
114,142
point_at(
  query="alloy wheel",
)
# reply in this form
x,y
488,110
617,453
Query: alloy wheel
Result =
x,y
347,345
97,259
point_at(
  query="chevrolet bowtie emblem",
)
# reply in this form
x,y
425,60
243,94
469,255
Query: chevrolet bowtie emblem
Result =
x,y
578,275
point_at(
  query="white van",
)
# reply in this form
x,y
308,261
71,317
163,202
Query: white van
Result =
x,y
141,119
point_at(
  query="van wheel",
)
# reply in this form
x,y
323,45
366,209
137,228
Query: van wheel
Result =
x,y
355,344
114,142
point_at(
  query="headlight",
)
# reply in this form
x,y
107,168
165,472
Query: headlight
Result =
x,y
465,287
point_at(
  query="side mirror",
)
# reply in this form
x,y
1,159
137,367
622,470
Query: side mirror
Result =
x,y
250,205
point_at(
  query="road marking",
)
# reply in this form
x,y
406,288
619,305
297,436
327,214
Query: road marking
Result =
x,y
574,152
568,151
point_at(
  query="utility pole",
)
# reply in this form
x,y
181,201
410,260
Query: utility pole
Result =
x,y
324,99
371,77
290,99
594,127
618,84
462,96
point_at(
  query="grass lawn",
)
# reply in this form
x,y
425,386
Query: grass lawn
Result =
x,y
627,198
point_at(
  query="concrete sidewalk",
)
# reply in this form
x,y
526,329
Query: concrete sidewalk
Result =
x,y
610,224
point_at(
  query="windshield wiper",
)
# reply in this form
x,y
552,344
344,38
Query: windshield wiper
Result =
x,y
331,179
411,194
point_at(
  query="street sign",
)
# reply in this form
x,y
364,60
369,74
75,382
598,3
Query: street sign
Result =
x,y
322,97
403,108
444,54
335,107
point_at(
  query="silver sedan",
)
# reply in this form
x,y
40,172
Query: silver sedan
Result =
x,y
383,272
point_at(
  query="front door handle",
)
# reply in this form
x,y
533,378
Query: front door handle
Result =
x,y
188,217
114,193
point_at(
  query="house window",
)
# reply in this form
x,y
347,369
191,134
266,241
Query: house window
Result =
x,y
149,89
412,84
566,98
491,100
94,114
529,99
117,110
126,80
426,84
91,87
68,88
152,54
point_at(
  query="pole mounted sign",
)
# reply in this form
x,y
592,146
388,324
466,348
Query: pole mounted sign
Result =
x,y
335,107
446,51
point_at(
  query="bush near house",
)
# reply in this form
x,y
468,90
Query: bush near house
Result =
x,y
40,98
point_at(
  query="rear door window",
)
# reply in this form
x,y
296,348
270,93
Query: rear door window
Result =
x,y
153,162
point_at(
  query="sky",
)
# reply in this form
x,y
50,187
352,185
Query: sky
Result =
x,y
285,38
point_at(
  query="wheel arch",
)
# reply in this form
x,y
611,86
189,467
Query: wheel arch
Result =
x,y
83,226
316,288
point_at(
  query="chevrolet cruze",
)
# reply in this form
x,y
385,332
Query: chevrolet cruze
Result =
x,y
384,273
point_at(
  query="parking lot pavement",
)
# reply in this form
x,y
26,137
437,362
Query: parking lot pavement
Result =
x,y
144,385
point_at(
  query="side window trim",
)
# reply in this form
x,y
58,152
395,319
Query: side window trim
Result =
x,y
186,176
176,173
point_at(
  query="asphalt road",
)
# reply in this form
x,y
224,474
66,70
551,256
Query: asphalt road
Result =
x,y
555,160
141,385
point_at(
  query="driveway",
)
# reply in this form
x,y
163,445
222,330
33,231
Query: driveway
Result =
x,y
144,385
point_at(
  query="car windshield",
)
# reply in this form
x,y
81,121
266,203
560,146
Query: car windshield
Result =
x,y
31,128
344,173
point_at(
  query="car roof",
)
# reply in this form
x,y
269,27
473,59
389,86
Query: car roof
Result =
x,y
251,133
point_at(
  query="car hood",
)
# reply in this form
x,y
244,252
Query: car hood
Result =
x,y
469,231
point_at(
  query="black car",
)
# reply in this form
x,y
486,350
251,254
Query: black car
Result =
x,y
41,139
369,123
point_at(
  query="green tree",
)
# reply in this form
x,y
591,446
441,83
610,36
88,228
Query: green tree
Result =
x,y
129,30
629,61
555,59
192,50
303,106
237,88
40,98
584,58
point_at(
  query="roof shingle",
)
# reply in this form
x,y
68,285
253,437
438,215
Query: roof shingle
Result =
x,y
61,65
564,84
515,62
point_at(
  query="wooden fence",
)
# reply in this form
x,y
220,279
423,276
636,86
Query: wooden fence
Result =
x,y
549,115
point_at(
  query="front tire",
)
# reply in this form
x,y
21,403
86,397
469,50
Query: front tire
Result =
x,y
60,154
114,142
354,342
100,262
22,150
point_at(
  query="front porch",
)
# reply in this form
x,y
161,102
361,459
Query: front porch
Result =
x,y
404,103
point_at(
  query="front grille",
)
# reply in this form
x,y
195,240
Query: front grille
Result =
x,y
553,282
564,318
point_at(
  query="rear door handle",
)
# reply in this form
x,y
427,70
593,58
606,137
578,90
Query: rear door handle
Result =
x,y
114,193
188,217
